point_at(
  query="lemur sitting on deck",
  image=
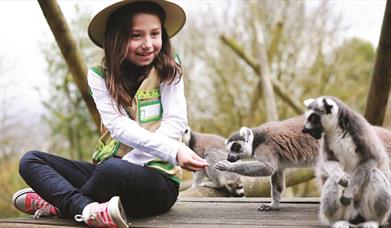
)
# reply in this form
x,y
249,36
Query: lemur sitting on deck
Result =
x,y
353,165
212,148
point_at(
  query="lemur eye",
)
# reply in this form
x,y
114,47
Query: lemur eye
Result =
x,y
236,147
314,118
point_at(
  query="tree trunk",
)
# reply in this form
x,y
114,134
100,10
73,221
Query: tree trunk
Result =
x,y
70,52
278,87
381,78
265,74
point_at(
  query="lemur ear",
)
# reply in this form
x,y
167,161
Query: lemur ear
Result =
x,y
245,133
328,105
308,102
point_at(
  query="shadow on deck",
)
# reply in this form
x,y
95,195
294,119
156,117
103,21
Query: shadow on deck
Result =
x,y
209,212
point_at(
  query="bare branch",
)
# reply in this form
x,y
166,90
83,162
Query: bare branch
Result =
x,y
278,87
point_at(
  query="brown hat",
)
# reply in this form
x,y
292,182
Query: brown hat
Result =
x,y
175,19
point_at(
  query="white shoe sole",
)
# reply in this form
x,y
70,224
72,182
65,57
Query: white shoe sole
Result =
x,y
18,194
117,212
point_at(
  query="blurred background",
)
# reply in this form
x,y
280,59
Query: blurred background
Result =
x,y
311,48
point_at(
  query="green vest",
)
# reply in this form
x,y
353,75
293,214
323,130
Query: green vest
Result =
x,y
146,109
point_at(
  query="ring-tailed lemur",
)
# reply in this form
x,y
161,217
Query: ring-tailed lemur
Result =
x,y
212,148
271,148
274,146
353,165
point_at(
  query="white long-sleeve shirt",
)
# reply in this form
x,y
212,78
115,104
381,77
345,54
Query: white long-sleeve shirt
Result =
x,y
164,142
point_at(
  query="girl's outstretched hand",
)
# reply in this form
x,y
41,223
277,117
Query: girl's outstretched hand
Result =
x,y
189,160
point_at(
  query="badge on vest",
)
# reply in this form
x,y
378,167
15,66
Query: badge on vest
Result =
x,y
149,106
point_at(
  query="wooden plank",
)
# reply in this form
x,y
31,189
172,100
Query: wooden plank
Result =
x,y
249,200
233,214
209,212
41,222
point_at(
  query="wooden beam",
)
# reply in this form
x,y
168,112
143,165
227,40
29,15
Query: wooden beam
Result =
x,y
381,78
70,52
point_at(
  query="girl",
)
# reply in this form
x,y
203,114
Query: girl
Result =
x,y
139,94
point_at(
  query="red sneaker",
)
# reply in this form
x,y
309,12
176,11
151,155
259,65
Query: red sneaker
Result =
x,y
29,202
109,214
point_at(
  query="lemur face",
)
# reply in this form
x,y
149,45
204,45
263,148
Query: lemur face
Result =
x,y
239,145
321,113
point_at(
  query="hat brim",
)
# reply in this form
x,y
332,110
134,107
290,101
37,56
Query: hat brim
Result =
x,y
174,22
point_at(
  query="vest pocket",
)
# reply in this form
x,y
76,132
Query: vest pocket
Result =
x,y
107,147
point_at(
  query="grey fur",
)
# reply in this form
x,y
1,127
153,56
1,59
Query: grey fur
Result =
x,y
353,164
276,146
212,148
268,151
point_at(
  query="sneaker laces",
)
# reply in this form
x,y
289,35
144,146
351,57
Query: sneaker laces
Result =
x,y
42,208
98,216
41,212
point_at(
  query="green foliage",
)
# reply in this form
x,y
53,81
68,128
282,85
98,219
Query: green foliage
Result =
x,y
73,131
350,72
303,53
10,182
13,140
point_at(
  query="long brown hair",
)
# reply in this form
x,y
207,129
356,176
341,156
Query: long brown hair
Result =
x,y
122,77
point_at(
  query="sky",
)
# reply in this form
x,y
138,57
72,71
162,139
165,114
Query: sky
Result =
x,y
24,29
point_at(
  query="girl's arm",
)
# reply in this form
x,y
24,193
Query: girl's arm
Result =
x,y
126,130
174,119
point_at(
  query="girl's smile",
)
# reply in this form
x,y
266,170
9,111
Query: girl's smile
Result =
x,y
145,54
145,41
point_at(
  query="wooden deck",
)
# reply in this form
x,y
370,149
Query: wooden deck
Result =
x,y
209,212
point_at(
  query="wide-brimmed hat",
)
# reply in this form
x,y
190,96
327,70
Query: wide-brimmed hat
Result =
x,y
175,19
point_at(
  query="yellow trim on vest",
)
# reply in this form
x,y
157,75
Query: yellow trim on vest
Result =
x,y
148,94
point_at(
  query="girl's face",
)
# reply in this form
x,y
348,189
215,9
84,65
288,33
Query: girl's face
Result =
x,y
145,41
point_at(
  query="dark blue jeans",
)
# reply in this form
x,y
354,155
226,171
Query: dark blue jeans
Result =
x,y
71,185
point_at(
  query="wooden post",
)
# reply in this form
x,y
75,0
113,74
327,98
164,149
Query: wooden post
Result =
x,y
381,78
70,52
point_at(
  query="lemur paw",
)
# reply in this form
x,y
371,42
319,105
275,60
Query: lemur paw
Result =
x,y
222,165
346,197
268,207
342,179
370,224
341,224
